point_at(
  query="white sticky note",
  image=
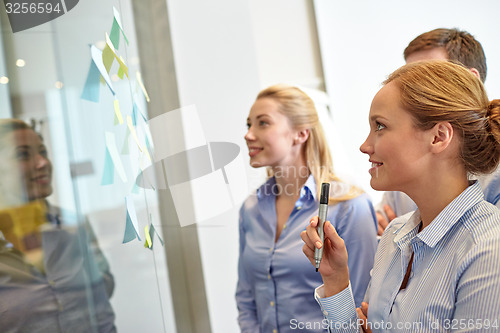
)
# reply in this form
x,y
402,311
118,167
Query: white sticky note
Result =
x,y
115,156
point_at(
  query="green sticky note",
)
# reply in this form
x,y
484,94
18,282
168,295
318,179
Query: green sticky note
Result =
x,y
114,35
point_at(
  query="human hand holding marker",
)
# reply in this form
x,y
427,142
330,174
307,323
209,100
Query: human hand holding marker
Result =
x,y
323,211
333,268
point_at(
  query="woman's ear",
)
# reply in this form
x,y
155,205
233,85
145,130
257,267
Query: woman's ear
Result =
x,y
475,72
301,136
442,136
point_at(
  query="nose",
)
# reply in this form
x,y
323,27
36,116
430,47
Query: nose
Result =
x,y
249,136
41,161
367,146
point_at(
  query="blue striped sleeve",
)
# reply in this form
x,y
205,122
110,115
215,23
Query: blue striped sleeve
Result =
x,y
339,310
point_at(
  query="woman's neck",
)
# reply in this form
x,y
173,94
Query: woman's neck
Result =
x,y
435,194
290,180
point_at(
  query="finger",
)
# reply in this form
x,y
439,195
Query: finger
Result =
x,y
362,319
364,308
308,244
332,235
380,230
382,221
389,212
312,233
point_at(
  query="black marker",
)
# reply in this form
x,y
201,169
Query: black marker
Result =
x,y
323,210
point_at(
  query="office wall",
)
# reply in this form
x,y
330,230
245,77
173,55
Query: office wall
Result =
x,y
224,53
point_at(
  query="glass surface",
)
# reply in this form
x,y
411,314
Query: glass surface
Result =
x,y
64,265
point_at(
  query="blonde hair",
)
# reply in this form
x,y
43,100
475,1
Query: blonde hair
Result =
x,y
298,107
438,90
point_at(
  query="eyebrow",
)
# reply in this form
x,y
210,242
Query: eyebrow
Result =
x,y
259,116
376,116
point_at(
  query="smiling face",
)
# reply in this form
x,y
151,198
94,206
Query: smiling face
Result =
x,y
30,156
270,137
397,149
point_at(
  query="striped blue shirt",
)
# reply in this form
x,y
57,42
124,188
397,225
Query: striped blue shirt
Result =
x,y
454,282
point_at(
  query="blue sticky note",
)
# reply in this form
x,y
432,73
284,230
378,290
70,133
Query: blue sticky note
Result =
x,y
131,218
109,170
135,188
138,110
159,238
130,233
92,87
134,114
152,232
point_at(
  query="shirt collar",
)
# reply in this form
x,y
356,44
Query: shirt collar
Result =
x,y
445,220
451,214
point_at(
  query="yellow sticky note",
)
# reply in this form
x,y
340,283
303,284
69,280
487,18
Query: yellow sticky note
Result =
x,y
132,131
107,58
148,243
110,52
141,84
118,114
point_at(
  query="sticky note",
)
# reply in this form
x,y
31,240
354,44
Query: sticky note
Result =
x,y
148,243
138,77
135,188
118,114
115,157
91,90
109,170
130,233
109,55
125,150
132,131
114,35
153,231
120,71
131,225
116,28
134,115
97,58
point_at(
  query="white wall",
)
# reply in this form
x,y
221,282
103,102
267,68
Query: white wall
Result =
x,y
225,53
363,41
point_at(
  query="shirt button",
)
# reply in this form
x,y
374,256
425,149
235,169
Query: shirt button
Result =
x,y
271,249
284,227
411,274
275,331
271,303
325,313
52,282
299,208
269,276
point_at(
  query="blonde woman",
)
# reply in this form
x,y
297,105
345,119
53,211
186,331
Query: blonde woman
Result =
x,y
436,269
274,292
53,275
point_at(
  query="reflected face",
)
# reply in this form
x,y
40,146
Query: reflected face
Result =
x,y
397,149
270,138
436,53
35,168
